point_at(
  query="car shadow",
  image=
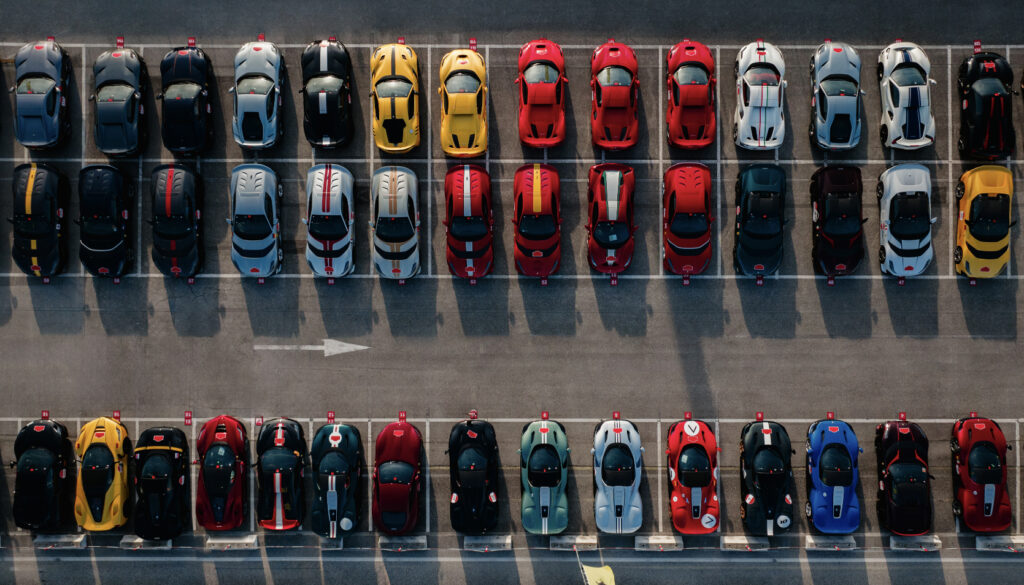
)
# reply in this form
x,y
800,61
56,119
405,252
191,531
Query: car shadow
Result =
x,y
913,307
697,314
986,317
273,307
846,307
346,307
410,309
59,307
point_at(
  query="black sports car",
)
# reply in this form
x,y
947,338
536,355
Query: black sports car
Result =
x,y
760,216
118,76
473,466
985,82
43,489
838,232
162,483
326,92
40,198
337,455
104,195
281,449
41,115
904,486
185,74
767,485
177,197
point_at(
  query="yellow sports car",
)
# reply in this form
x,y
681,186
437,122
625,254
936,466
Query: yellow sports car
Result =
x,y
102,493
983,224
395,97
463,103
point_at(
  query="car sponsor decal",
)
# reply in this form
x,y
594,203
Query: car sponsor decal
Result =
x,y
323,57
783,521
691,428
708,521
749,499
467,202
833,429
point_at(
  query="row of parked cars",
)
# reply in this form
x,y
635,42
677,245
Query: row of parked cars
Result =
x,y
984,88
149,481
981,249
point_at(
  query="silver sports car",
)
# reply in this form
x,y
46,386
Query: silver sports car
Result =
x,y
330,213
905,86
835,96
618,466
257,91
255,220
395,223
905,213
759,121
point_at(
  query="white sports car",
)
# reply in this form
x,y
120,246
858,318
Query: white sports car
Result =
x,y
835,96
907,121
618,463
905,212
759,122
257,92
395,223
330,213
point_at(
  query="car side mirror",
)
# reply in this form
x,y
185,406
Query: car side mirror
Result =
x,y
1013,223
1009,447
568,450
591,450
10,89
935,219
930,476
305,221
77,222
439,91
159,96
865,220
92,97
231,90
932,81
785,83
861,449
228,219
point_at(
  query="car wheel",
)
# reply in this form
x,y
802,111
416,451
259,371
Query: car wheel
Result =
x,y
736,69
961,145
958,509
880,70
879,191
883,135
954,446
811,70
807,510
960,189
735,133
881,254
958,255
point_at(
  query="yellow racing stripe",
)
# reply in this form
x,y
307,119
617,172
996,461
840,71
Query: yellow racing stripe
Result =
x,y
28,189
536,189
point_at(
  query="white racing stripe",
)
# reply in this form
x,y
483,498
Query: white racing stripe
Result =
x,y
768,435
278,502
323,56
323,102
467,203
611,193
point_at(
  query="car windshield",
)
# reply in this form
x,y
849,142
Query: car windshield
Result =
x,y
691,74
395,472
908,216
689,225
762,74
394,229
611,234
769,471
694,466
544,468
185,90
468,229
462,82
393,88
614,75
840,218
540,72
115,92
97,470
323,83
171,228
472,468
990,217
537,227
984,464
835,466
36,84
219,470
839,85
909,481
32,225
257,84
251,227
906,74
617,466
328,227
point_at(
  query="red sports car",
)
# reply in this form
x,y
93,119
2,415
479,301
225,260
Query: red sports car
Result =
x,y
691,95
541,94
537,220
610,221
469,221
980,497
223,489
693,476
396,477
615,96
687,219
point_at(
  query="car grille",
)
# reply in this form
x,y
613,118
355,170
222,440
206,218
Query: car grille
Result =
x,y
985,255
329,253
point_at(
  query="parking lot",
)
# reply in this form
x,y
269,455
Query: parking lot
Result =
x,y
436,347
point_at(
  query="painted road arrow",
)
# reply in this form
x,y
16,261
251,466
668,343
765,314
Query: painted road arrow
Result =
x,y
330,347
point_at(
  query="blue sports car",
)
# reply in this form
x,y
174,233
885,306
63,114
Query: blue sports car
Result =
x,y
832,450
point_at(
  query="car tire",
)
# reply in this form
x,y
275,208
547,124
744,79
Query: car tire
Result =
x,y
954,446
958,255
960,190
883,135
879,191
881,255
735,134
960,145
807,510
736,69
880,71
810,69
958,509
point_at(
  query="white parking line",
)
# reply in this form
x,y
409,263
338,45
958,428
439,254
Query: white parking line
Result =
x,y
139,194
1016,451
718,159
949,162
659,456
426,478
194,475
718,484
661,149
369,472
430,167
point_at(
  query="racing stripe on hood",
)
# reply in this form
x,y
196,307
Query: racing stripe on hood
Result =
x,y
323,56
612,189
913,130
467,202
767,435
537,200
